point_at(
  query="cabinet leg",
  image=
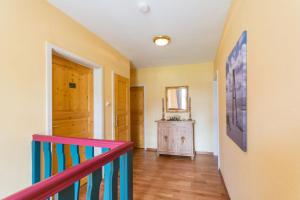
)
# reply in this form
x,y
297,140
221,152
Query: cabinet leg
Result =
x,y
157,154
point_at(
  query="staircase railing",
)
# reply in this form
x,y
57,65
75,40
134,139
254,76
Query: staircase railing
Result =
x,y
116,159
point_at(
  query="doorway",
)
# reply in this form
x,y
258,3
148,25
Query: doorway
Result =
x,y
72,104
137,114
121,107
98,89
95,126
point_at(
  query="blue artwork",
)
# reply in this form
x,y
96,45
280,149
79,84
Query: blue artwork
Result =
x,y
236,93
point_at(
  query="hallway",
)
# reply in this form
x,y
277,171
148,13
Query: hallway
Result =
x,y
213,76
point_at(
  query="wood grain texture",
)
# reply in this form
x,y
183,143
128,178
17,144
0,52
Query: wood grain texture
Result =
x,y
137,116
122,111
176,138
72,105
174,178
169,177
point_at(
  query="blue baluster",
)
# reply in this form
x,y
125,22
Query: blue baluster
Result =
x,y
69,192
75,161
47,159
60,157
89,154
66,194
111,179
36,161
94,180
107,180
126,176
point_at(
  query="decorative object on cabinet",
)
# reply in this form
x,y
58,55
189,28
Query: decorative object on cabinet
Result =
x,y
177,99
175,118
190,108
163,109
176,138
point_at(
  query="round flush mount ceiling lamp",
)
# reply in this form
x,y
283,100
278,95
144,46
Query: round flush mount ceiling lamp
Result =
x,y
144,7
161,40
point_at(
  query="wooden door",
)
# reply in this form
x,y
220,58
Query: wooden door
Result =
x,y
137,116
122,108
72,103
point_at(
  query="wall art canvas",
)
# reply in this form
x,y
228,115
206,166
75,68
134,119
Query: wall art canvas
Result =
x,y
236,93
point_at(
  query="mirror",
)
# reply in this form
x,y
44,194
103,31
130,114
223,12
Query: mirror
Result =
x,y
177,99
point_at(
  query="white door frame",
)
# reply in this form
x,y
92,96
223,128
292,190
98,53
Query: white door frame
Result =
x,y
216,118
145,113
98,88
113,131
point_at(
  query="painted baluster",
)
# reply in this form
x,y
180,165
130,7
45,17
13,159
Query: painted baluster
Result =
x,y
111,179
94,179
36,161
126,176
60,157
47,159
69,192
89,154
75,161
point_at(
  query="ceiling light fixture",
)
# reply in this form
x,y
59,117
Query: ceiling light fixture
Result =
x,y
144,7
161,40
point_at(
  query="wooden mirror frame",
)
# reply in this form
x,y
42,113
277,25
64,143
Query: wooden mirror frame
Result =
x,y
187,100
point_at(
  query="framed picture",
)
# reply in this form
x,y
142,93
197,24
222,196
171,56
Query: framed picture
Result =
x,y
236,93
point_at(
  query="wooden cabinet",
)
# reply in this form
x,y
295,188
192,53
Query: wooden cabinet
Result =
x,y
175,138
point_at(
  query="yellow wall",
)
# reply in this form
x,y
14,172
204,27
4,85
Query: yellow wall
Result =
x,y
25,27
270,168
199,78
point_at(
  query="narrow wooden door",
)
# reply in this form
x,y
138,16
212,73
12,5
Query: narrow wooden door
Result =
x,y
122,108
72,103
137,116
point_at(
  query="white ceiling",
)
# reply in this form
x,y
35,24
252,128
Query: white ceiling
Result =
x,y
195,27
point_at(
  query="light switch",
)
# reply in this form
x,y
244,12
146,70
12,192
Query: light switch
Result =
x,y
107,104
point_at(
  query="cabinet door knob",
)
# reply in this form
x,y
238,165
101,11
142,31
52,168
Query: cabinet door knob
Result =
x,y
166,137
182,139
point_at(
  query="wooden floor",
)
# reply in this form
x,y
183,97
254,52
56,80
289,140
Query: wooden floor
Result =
x,y
169,177
176,178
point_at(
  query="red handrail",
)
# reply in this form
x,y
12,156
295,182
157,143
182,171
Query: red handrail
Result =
x,y
61,181
78,141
